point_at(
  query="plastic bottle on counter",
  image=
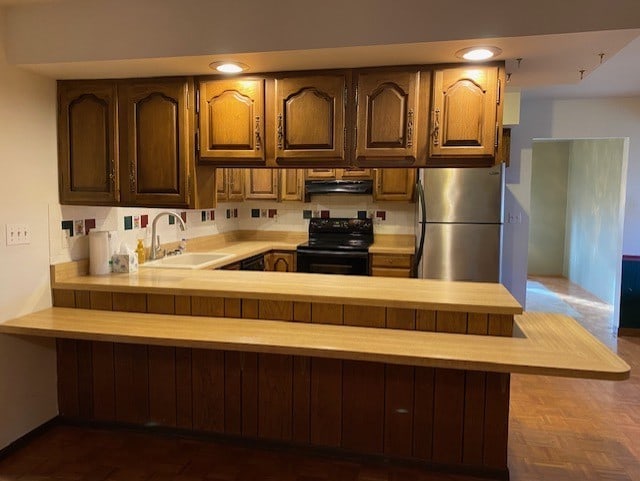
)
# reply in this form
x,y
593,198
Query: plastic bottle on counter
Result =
x,y
141,252
182,247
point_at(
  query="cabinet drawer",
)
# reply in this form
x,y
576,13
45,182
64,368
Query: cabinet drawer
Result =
x,y
391,260
390,272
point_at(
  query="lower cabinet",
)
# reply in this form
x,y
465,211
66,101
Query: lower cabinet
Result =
x,y
280,261
424,414
391,265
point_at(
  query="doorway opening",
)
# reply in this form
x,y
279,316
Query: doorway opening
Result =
x,y
577,215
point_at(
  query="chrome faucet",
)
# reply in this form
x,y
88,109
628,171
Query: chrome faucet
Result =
x,y
155,239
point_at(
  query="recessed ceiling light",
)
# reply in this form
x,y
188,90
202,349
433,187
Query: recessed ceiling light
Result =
x,y
228,67
478,53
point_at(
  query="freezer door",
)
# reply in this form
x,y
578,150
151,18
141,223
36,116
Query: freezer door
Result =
x,y
471,195
463,252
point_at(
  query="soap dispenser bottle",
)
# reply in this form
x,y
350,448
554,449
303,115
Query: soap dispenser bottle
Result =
x,y
140,252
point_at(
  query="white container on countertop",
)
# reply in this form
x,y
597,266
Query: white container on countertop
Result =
x,y
99,252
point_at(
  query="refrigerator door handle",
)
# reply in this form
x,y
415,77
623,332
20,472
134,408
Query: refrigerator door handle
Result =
x,y
423,226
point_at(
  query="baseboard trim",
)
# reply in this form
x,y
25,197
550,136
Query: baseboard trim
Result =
x,y
629,331
28,437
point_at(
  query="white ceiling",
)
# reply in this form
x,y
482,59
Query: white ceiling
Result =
x,y
549,68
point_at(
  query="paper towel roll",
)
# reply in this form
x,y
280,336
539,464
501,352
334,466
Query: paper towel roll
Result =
x,y
99,252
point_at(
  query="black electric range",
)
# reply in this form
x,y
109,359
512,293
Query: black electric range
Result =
x,y
336,246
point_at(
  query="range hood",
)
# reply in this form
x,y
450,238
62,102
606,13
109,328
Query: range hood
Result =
x,y
314,187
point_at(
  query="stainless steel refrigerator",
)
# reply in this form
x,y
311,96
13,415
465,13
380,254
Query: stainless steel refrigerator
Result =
x,y
459,224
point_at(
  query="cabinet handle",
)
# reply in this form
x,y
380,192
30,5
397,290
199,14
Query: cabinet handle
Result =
x,y
280,132
497,134
258,139
112,173
436,126
132,176
410,128
344,140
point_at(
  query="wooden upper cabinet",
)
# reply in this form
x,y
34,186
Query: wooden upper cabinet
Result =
x,y
155,138
310,120
291,184
230,185
261,184
354,173
231,121
387,117
464,115
222,185
88,143
320,174
394,184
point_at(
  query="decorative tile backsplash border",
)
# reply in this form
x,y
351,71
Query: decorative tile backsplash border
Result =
x,y
77,228
69,225
132,222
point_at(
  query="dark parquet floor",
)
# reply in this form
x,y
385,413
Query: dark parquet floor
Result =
x,y
560,429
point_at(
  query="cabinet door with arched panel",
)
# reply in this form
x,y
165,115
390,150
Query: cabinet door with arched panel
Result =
x,y
464,114
155,142
310,120
280,261
388,120
231,121
88,142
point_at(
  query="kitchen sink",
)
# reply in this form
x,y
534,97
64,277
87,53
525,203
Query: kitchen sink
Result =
x,y
190,260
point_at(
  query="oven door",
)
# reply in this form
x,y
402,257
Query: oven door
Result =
x,y
333,262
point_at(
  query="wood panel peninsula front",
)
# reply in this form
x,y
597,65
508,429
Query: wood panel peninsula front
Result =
x,y
406,369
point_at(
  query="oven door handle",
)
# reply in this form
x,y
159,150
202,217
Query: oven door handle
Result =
x,y
355,255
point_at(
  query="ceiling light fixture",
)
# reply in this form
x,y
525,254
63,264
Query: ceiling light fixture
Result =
x,y
477,54
228,67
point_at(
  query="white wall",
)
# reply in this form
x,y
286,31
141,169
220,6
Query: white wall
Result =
x,y
399,220
549,173
595,213
28,163
567,119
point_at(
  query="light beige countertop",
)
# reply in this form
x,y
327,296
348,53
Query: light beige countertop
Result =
x,y
240,250
250,243
323,288
549,344
393,244
302,287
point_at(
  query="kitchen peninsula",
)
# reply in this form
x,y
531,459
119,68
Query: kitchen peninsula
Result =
x,y
401,368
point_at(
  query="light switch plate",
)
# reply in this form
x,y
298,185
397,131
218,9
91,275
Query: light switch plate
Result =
x,y
18,234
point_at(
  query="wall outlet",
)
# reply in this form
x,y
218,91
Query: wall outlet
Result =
x,y
514,218
18,234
